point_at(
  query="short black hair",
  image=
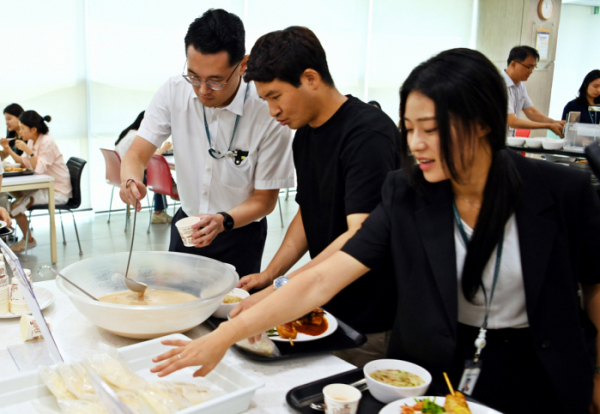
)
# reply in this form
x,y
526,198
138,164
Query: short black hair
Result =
x,y
32,119
216,31
285,55
520,53
13,109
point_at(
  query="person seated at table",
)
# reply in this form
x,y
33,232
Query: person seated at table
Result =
x,y
588,95
123,143
41,154
480,237
11,115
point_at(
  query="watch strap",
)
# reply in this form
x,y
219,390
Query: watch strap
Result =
x,y
228,221
31,155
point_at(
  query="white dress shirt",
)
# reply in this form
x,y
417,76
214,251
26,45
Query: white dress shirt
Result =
x,y
518,99
508,307
208,185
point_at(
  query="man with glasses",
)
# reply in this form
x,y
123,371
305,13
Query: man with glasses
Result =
x,y
231,156
522,60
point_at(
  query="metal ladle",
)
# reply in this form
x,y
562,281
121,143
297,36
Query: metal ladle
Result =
x,y
64,278
131,284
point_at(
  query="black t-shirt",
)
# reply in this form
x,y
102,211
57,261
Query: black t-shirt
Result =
x,y
341,167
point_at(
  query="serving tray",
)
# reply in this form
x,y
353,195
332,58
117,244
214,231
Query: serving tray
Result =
x,y
18,173
299,395
345,337
20,392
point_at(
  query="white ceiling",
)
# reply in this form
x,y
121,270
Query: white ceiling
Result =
x,y
582,2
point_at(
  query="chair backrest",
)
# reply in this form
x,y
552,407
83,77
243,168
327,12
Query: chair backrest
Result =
x,y
113,167
523,133
75,166
158,176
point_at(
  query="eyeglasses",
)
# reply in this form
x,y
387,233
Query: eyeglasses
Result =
x,y
531,68
214,85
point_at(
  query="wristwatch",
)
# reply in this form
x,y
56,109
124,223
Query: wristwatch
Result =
x,y
228,222
280,281
32,155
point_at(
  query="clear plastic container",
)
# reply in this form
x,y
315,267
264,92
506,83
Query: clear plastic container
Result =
x,y
208,279
578,135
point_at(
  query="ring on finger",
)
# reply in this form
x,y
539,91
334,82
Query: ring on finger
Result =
x,y
179,356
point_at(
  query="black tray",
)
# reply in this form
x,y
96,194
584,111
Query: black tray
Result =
x,y
295,396
368,404
344,337
18,173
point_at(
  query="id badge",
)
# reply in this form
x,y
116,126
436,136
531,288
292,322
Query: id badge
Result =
x,y
469,376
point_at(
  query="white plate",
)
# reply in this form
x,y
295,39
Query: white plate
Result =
x,y
333,325
44,296
394,407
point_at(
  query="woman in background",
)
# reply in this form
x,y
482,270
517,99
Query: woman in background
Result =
x,y
42,155
122,144
588,95
11,115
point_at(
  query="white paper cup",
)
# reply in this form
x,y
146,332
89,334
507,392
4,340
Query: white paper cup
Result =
x,y
30,330
184,226
341,399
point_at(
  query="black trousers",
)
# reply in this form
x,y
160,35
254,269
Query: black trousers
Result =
x,y
512,378
242,247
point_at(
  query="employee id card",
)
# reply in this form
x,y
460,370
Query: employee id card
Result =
x,y
470,376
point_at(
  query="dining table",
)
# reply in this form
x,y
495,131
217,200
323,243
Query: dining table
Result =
x,y
36,182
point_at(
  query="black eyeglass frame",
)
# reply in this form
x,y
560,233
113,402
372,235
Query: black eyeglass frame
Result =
x,y
214,85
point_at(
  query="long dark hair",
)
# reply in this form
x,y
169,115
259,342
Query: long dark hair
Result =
x,y
582,94
467,91
14,110
32,119
135,126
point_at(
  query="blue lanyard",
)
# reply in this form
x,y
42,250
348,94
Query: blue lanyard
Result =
x,y
593,118
496,269
214,153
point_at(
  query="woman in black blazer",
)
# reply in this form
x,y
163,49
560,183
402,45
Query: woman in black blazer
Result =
x,y
536,223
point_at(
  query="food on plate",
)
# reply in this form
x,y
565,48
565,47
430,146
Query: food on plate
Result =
x,y
232,299
455,404
397,378
76,394
151,297
314,323
13,169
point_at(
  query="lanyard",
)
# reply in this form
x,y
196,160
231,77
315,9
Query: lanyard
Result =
x,y
480,341
593,118
214,153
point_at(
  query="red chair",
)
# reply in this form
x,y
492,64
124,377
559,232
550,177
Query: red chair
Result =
x,y
523,133
159,179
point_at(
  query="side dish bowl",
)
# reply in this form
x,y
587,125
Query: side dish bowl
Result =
x,y
387,393
224,308
553,144
515,141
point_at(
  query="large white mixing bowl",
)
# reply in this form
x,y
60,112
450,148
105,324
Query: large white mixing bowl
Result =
x,y
208,279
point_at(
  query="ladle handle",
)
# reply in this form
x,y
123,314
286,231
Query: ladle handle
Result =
x,y
133,234
64,278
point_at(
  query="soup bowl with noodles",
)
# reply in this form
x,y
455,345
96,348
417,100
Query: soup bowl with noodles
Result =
x,y
392,379
183,291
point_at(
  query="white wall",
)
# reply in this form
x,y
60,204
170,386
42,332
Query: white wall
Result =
x,y
94,65
576,54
